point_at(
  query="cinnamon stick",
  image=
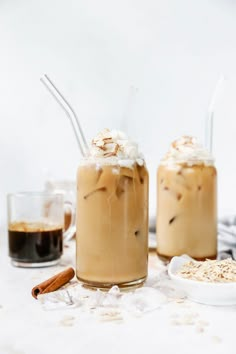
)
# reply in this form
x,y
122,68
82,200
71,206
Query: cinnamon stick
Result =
x,y
53,283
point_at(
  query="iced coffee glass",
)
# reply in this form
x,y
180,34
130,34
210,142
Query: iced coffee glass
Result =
x,y
112,214
187,202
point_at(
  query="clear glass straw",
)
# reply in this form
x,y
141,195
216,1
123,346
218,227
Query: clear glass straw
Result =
x,y
210,113
62,101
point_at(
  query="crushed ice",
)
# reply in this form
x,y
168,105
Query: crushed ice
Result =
x,y
116,304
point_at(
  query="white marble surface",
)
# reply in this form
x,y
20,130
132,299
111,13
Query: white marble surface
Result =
x,y
27,328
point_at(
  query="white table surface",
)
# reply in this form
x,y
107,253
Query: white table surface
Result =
x,y
27,328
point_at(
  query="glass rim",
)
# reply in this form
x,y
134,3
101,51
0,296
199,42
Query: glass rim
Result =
x,y
111,161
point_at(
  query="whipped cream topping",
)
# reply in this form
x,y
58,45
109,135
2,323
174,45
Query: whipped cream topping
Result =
x,y
114,147
189,151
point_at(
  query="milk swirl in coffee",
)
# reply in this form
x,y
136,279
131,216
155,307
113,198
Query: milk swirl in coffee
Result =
x,y
187,201
112,213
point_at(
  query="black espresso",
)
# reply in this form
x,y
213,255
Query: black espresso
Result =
x,y
34,243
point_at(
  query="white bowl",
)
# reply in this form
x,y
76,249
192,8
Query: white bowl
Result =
x,y
220,294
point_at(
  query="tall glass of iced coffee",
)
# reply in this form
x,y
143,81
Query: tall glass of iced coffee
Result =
x,y
112,214
187,202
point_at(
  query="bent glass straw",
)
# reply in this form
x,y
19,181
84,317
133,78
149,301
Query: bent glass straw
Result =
x,y
62,101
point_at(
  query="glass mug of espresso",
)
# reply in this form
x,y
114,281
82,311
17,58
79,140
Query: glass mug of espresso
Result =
x,y
36,228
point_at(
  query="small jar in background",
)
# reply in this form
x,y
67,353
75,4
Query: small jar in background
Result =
x,y
68,189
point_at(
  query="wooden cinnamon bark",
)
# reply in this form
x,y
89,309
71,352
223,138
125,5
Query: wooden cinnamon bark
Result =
x,y
53,283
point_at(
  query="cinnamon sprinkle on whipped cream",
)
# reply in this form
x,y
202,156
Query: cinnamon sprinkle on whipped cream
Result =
x,y
113,146
187,150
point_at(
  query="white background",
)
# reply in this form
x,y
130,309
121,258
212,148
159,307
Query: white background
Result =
x,y
173,51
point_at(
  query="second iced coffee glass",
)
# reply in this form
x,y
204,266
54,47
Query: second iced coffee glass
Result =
x,y
187,202
112,220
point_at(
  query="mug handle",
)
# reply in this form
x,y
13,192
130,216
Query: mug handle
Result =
x,y
69,233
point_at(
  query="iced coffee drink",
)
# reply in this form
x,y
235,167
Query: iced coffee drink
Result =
x,y
187,202
112,214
